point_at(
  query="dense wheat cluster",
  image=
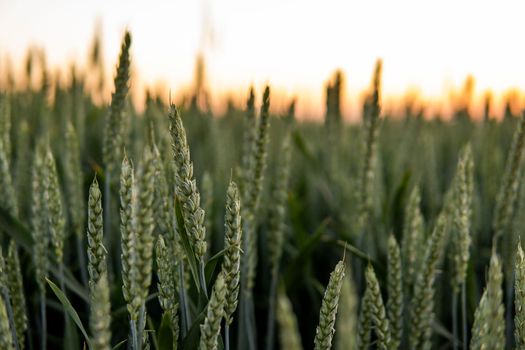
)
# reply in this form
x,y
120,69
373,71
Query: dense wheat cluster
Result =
x,y
254,230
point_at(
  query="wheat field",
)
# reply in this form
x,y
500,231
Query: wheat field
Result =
x,y
174,228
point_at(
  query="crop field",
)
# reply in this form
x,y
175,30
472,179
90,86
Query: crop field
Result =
x,y
169,227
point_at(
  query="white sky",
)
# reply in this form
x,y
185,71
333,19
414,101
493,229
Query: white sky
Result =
x,y
294,45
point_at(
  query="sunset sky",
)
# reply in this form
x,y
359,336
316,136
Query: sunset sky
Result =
x,y
295,45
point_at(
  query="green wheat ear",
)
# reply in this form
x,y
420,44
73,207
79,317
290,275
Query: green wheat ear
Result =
x,y
277,231
232,244
73,176
22,177
249,134
95,235
39,227
127,232
364,326
395,292
325,330
7,189
55,210
422,304
463,211
127,184
346,338
16,292
211,327
367,171
519,299
378,312
166,287
163,202
6,302
488,330
289,336
207,206
507,196
252,192
412,241
143,221
5,125
186,186
100,319
115,122
6,338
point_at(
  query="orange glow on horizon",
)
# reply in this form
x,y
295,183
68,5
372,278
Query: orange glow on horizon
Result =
x,y
310,104
428,50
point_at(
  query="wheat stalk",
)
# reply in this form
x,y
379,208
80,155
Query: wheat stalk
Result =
x,y
73,179
277,230
412,240
16,293
232,257
73,176
22,173
55,212
367,175
143,225
207,206
253,192
422,305
325,330
364,326
6,338
7,189
99,318
488,330
40,231
127,184
459,202
211,327
378,312
167,288
461,241
96,252
395,292
232,244
186,189
115,123
347,316
289,337
506,200
162,202
5,125
519,299
249,134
